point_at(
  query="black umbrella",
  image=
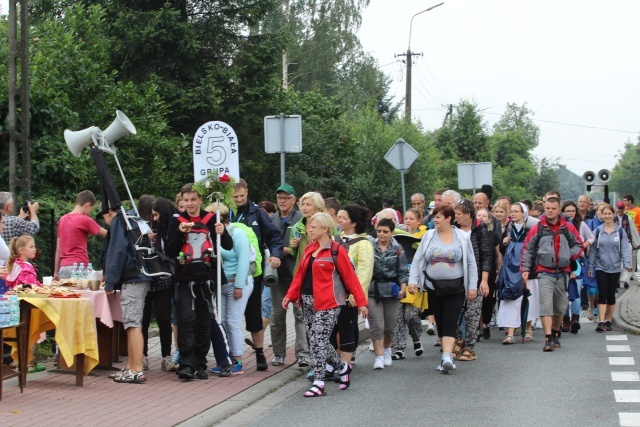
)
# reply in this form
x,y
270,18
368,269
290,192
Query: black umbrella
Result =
x,y
409,244
524,311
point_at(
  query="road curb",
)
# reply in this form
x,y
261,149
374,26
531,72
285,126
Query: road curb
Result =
x,y
618,317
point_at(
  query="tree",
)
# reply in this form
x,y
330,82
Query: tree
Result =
x,y
625,176
547,178
517,118
467,139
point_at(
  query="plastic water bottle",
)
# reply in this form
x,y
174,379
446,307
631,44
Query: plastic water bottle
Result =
x,y
4,312
74,271
89,270
82,272
14,310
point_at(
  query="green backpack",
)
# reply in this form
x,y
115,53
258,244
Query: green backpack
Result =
x,y
255,259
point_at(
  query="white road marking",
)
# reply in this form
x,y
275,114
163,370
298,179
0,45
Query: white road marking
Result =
x,y
625,376
620,361
617,338
629,419
627,396
618,348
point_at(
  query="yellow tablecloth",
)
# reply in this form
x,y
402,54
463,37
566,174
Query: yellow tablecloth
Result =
x,y
75,326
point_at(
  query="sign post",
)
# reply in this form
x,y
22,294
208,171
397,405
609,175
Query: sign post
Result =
x,y
474,175
282,134
401,156
215,149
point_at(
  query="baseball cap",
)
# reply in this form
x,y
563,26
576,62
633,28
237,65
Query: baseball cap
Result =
x,y
287,189
620,205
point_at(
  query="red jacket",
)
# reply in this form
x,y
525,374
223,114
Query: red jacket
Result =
x,y
327,290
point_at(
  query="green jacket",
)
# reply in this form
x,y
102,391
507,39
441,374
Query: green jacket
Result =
x,y
300,230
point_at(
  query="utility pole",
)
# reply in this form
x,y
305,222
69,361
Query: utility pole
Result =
x,y
449,115
407,98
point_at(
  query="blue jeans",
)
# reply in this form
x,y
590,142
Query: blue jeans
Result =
x,y
576,304
232,314
266,302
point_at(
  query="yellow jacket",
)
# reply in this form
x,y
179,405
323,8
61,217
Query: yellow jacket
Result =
x,y
361,255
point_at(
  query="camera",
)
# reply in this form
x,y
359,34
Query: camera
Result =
x,y
25,207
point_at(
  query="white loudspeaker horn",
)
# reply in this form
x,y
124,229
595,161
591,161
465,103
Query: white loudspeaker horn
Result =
x,y
118,128
588,177
78,140
604,175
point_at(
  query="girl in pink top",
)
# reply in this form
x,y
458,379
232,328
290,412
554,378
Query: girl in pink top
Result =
x,y
22,249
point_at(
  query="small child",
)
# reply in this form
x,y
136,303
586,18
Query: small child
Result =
x,y
21,250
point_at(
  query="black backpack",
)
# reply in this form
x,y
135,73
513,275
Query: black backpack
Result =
x,y
146,260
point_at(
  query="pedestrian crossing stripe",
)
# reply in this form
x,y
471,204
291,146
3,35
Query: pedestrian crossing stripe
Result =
x,y
625,376
620,361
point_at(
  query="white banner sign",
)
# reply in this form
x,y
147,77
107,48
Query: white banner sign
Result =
x,y
215,149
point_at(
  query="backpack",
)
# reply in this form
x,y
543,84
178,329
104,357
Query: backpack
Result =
x,y
564,231
197,251
255,257
145,258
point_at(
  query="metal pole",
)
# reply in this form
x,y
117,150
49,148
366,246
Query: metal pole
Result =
x,y
473,177
218,266
407,102
281,148
402,171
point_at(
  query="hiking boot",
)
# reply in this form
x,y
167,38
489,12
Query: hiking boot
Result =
x,y
187,373
600,327
201,375
556,342
547,345
566,324
575,323
608,326
261,362
302,362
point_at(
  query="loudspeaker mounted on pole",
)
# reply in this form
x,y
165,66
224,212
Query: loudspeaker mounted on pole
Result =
x,y
589,177
120,127
604,175
79,140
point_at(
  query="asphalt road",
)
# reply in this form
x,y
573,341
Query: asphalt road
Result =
x,y
508,385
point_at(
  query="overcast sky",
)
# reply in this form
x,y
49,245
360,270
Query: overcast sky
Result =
x,y
571,61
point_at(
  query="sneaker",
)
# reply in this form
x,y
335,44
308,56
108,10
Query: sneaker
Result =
x,y
167,364
278,360
145,363
608,326
186,373
417,346
225,371
353,359
261,363
237,368
431,329
486,333
493,320
446,365
201,375
378,364
302,362
371,346
176,357
600,327
387,357
310,375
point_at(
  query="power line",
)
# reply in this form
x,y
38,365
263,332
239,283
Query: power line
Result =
x,y
575,125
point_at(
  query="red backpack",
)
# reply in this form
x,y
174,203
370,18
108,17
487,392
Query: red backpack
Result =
x,y
197,249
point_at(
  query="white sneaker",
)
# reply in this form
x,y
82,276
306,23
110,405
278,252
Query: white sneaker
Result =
x,y
446,365
167,364
387,357
431,330
493,320
424,322
378,364
145,363
371,346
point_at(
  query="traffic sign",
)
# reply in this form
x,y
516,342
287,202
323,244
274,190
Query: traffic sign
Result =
x,y
401,155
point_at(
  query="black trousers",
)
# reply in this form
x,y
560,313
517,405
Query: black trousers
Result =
x,y
607,286
161,300
347,322
490,300
447,312
253,312
194,309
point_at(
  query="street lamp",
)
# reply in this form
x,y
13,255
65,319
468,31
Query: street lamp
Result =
x,y
407,106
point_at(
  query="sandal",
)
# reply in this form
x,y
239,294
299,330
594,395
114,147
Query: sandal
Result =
x,y
398,355
131,377
590,315
508,340
468,354
457,349
345,379
528,337
315,391
117,374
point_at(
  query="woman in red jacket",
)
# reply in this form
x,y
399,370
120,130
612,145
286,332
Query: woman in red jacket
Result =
x,y
320,287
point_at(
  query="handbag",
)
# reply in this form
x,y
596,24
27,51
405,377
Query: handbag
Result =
x,y
448,287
